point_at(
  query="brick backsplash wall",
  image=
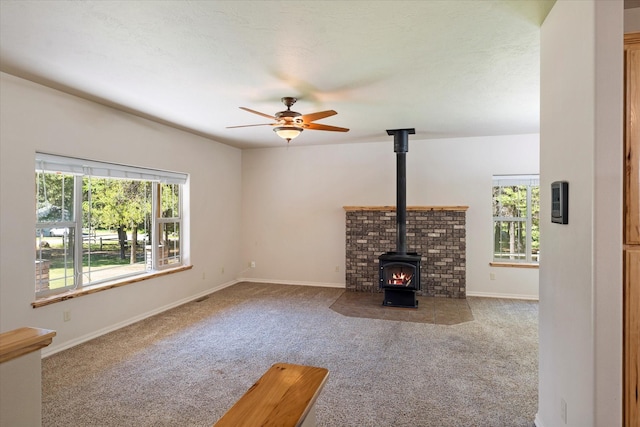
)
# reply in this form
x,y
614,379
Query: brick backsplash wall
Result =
x,y
437,233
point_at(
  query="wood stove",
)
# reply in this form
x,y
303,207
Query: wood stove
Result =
x,y
400,278
400,270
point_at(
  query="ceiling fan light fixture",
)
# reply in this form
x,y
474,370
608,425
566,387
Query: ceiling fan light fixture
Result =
x,y
288,132
289,124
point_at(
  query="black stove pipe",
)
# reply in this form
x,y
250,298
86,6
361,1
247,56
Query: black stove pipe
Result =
x,y
401,147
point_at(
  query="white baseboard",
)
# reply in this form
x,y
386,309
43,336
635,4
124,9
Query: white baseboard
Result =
x,y
505,296
51,350
537,422
292,282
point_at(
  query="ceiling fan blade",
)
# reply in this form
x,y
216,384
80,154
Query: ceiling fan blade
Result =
x,y
246,126
316,126
258,113
307,118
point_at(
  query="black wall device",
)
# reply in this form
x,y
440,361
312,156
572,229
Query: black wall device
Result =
x,y
560,202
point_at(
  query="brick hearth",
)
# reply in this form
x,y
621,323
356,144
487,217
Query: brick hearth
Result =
x,y
437,233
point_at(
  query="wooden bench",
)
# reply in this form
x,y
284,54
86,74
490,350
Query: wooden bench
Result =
x,y
23,341
284,396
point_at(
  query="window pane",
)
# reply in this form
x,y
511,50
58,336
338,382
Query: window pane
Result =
x,y
510,201
170,195
102,256
510,240
54,197
54,260
116,213
496,201
535,223
169,248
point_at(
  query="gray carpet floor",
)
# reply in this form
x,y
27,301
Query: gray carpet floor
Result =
x,y
187,366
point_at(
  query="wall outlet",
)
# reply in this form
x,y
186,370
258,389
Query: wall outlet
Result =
x,y
337,268
492,276
66,315
222,270
252,264
203,275
563,410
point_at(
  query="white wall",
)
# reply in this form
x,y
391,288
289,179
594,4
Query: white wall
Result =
x,y
581,269
35,118
293,198
21,391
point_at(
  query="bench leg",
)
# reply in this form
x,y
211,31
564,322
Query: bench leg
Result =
x,y
310,420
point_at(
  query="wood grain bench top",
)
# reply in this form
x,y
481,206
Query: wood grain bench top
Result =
x,y
23,341
283,397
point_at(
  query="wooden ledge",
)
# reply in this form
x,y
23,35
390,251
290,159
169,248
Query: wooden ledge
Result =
x,y
632,38
514,264
41,302
283,396
409,208
22,341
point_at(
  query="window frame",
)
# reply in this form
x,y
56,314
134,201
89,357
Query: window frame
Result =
x,y
81,169
530,181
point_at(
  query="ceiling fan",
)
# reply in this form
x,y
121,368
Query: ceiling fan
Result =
x,y
289,124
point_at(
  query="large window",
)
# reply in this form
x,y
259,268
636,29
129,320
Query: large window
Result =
x,y
516,213
97,222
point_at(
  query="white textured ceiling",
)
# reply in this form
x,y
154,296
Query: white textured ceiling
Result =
x,y
446,68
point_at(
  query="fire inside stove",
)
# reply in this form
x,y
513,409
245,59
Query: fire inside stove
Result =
x,y
400,279
400,271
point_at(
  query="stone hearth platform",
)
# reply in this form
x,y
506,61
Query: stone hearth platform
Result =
x,y
438,311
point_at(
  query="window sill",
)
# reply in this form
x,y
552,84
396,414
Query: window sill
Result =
x,y
514,264
41,302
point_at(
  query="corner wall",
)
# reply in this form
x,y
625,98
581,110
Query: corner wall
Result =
x,y
293,199
35,118
580,340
